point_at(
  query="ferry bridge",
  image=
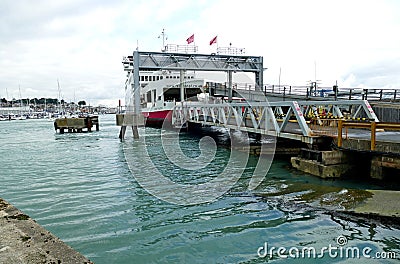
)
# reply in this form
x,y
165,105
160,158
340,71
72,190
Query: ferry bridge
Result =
x,y
308,122
341,137
287,119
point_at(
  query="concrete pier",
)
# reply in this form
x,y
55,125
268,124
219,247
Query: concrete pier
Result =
x,y
22,240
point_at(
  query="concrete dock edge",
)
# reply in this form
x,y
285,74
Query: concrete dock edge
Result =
x,y
22,240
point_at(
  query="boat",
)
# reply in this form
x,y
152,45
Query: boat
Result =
x,y
162,90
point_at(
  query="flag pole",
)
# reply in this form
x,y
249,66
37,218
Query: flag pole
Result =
x,y
216,38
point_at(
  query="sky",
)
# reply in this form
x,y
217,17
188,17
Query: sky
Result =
x,y
80,44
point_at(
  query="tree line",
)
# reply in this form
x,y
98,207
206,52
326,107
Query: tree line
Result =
x,y
42,101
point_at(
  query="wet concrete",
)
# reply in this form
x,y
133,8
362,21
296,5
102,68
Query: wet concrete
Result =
x,y
382,203
22,240
374,204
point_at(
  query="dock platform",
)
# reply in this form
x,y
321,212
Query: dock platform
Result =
x,y
76,124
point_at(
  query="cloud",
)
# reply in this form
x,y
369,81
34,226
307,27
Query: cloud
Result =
x,y
81,43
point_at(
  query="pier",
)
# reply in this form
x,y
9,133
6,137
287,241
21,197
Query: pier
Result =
x,y
76,124
329,135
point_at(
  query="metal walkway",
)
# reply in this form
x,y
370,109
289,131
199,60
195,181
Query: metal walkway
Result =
x,y
288,119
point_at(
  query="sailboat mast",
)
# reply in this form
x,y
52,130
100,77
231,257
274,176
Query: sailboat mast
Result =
x,y
20,100
59,97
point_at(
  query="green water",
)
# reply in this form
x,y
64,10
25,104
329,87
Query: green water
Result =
x,y
82,189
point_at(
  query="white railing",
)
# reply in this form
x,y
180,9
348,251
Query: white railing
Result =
x,y
284,119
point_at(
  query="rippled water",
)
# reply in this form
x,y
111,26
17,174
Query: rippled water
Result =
x,y
80,187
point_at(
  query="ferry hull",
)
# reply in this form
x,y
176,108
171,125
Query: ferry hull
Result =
x,y
158,118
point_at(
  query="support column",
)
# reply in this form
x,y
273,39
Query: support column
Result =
x,y
182,84
259,78
122,132
136,86
230,86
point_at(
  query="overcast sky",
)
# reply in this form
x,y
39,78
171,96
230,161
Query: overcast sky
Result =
x,y
81,43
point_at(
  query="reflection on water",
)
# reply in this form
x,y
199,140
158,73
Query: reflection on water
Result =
x,y
79,186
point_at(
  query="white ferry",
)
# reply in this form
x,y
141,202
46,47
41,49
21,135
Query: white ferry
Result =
x,y
160,91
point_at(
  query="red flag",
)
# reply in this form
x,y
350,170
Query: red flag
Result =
x,y
214,40
190,39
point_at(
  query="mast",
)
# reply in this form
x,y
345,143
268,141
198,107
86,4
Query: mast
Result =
x,y
59,96
20,100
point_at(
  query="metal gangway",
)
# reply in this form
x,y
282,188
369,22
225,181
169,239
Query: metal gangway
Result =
x,y
296,120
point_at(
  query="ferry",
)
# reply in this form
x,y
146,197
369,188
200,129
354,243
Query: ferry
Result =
x,y
162,90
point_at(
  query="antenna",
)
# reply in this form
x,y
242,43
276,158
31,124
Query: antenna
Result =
x,y
164,38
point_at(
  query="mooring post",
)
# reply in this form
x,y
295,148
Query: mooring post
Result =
x,y
373,135
135,132
122,132
340,129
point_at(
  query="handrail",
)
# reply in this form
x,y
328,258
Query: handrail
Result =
x,y
373,126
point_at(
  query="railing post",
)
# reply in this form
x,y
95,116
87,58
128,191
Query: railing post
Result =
x,y
394,96
284,93
351,90
373,135
380,95
340,129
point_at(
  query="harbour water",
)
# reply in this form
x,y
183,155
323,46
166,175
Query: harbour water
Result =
x,y
80,187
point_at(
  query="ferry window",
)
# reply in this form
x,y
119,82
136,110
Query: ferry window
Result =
x,y
146,78
161,77
141,78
